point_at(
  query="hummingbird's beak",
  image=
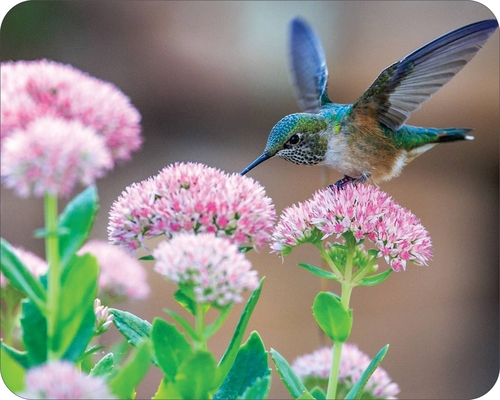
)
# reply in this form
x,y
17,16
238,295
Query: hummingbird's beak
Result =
x,y
263,157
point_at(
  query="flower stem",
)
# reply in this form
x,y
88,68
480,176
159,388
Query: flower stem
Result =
x,y
334,371
54,274
201,344
329,261
368,269
347,286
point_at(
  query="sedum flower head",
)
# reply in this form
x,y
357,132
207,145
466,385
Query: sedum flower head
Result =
x,y
212,267
35,264
363,211
120,276
32,89
60,126
61,380
191,197
51,155
314,369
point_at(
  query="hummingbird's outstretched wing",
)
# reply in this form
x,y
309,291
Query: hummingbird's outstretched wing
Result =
x,y
308,65
406,84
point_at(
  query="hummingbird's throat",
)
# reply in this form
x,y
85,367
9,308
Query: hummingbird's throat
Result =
x,y
302,156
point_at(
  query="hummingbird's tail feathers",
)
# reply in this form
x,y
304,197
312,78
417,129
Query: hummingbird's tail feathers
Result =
x,y
416,137
417,140
453,134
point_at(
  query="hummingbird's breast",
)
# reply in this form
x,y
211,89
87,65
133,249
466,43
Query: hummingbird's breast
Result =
x,y
362,147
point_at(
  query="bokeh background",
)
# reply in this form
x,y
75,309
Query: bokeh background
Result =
x,y
211,79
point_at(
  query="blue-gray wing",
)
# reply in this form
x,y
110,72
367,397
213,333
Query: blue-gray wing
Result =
x,y
308,65
405,85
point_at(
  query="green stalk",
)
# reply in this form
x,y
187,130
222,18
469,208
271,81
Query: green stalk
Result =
x,y
329,261
334,372
365,271
201,344
54,274
347,286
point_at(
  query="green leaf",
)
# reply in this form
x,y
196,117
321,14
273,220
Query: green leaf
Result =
x,y
306,396
373,253
245,249
229,356
75,321
185,301
195,377
89,352
259,389
250,364
77,219
149,257
213,328
375,279
12,372
21,357
20,277
318,393
291,381
332,317
130,326
104,367
170,347
319,272
185,298
166,390
123,384
34,333
357,390
121,350
184,324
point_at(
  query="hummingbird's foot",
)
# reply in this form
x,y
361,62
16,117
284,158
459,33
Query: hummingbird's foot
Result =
x,y
340,184
362,178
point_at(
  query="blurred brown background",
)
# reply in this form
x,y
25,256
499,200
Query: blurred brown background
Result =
x,y
211,79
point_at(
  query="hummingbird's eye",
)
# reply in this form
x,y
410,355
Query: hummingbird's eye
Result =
x,y
293,141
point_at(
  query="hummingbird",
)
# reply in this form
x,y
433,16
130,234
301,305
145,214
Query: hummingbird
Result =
x,y
368,141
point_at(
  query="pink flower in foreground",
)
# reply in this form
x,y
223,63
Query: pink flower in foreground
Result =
x,y
61,380
212,267
314,369
191,197
35,264
60,126
51,155
33,89
364,211
120,276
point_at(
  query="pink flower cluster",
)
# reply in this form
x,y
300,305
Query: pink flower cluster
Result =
x,y
61,380
316,366
191,197
60,126
367,213
211,266
120,276
35,264
51,155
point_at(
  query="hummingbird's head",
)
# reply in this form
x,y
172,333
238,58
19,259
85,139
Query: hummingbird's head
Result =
x,y
299,138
